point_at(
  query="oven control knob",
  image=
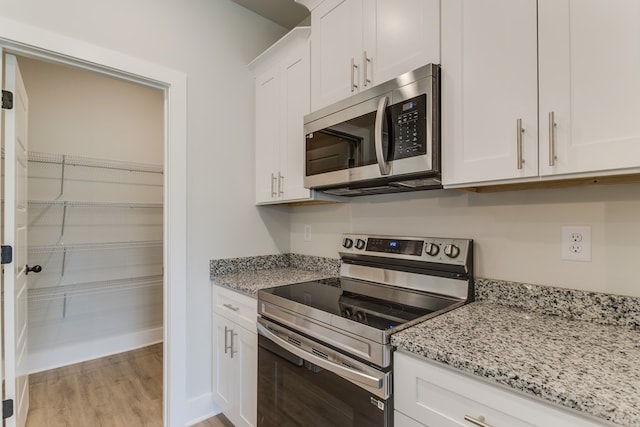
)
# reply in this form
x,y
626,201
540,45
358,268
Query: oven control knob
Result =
x,y
451,251
431,249
360,317
347,313
360,244
347,242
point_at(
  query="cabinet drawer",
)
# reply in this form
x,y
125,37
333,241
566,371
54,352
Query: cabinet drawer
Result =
x,y
241,309
401,420
438,396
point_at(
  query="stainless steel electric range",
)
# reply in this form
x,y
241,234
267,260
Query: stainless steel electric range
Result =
x,y
325,357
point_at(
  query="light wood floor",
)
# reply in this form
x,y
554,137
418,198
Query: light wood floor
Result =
x,y
123,390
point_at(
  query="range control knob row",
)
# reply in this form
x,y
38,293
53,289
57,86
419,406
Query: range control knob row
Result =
x,y
451,251
347,242
360,244
431,249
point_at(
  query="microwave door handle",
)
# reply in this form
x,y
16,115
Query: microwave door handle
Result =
x,y
385,168
343,371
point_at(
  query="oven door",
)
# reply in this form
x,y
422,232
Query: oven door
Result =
x,y
326,388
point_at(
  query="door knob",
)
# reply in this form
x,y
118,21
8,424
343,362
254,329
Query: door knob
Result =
x,y
35,269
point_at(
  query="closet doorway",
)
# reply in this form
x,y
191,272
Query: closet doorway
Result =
x,y
95,226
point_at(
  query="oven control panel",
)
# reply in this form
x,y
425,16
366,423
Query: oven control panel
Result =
x,y
432,249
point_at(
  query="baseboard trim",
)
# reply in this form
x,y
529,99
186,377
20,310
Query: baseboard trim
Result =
x,y
57,357
201,408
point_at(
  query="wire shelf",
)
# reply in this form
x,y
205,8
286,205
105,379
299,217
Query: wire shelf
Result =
x,y
94,246
62,159
84,204
92,288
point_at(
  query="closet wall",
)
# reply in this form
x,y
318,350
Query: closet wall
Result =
x,y
95,214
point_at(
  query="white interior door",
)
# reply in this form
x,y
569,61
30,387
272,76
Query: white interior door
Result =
x,y
16,385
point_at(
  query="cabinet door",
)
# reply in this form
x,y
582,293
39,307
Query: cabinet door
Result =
x,y
336,40
295,104
246,344
589,79
399,36
489,83
224,375
267,134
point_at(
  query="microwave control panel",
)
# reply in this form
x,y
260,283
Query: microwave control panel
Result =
x,y
409,121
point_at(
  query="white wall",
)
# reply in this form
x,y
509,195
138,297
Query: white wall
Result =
x,y
517,233
82,113
211,41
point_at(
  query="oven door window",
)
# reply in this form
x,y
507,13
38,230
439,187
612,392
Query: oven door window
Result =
x,y
348,145
294,392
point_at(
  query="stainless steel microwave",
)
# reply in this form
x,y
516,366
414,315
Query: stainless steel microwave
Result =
x,y
385,139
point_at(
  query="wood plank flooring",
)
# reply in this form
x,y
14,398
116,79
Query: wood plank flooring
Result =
x,y
123,390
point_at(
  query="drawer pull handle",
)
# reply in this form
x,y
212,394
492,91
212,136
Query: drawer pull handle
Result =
x,y
476,421
230,307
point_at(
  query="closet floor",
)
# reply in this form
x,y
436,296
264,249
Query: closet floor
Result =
x,y
122,390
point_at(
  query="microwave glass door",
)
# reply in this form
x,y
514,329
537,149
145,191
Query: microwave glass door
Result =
x,y
347,145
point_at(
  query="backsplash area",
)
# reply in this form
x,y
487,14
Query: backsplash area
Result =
x,y
595,307
517,234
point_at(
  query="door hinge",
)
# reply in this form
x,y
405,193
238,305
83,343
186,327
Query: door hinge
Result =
x,y
7,408
7,254
7,100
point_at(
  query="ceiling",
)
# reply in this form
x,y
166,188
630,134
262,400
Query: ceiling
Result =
x,y
287,13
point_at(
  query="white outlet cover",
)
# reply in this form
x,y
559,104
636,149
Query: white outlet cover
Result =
x,y
569,243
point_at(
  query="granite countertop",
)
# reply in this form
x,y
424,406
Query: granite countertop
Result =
x,y
590,367
250,274
250,282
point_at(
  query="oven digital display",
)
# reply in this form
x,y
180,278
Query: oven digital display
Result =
x,y
395,246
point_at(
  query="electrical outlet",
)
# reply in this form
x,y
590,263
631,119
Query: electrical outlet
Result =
x,y
307,233
576,243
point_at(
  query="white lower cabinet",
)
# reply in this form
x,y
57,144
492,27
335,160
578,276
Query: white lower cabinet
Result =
x,y
428,394
235,356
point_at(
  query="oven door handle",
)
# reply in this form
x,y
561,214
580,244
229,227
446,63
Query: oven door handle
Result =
x,y
340,370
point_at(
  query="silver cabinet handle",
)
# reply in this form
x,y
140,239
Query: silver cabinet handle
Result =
x,y
226,346
273,190
354,68
385,169
365,62
519,140
280,184
230,307
476,421
552,139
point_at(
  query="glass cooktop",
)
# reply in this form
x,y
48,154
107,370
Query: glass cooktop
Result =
x,y
336,296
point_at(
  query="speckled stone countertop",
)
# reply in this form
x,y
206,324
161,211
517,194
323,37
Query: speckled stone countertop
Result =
x,y
591,366
250,274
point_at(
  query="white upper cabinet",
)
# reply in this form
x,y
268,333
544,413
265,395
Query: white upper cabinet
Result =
x,y
282,79
590,81
359,43
489,90
573,62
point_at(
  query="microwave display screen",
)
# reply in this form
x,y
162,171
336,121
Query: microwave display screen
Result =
x,y
409,120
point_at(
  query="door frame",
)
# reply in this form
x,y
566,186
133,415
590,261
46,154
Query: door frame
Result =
x,y
25,40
